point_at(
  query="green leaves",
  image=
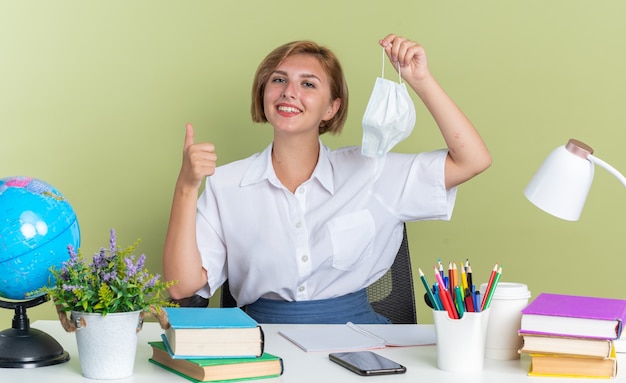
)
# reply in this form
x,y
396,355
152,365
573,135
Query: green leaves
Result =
x,y
114,280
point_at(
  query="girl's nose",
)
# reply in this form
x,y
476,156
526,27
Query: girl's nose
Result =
x,y
289,91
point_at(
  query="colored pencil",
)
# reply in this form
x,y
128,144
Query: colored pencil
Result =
x,y
441,272
436,295
469,301
469,277
446,299
476,295
447,303
460,303
463,279
439,278
493,289
489,284
428,292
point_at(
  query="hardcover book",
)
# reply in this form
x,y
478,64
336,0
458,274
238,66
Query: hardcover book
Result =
x,y
212,332
572,366
553,344
573,315
209,370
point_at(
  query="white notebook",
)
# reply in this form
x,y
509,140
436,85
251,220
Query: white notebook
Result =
x,y
359,337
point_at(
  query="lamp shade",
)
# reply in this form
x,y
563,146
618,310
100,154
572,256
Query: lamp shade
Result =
x,y
561,184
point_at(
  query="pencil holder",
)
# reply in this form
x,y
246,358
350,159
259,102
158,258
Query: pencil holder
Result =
x,y
461,342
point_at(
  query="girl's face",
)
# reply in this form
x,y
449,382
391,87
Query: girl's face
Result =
x,y
297,95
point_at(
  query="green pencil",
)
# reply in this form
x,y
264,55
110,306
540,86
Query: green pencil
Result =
x,y
428,292
493,288
460,304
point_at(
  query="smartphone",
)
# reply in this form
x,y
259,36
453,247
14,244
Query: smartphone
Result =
x,y
367,363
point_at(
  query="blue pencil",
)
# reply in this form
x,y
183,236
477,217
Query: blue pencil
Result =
x,y
476,299
436,295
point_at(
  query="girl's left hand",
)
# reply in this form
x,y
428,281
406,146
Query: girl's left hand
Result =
x,y
410,55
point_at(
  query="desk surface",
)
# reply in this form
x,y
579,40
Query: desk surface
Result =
x,y
300,366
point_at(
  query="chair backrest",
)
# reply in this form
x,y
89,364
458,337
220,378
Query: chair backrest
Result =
x,y
227,300
392,295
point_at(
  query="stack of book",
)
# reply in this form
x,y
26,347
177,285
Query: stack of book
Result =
x,y
214,344
571,335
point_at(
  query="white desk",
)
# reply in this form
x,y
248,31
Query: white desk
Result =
x,y
300,366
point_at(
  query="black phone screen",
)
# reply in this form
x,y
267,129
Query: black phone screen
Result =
x,y
367,363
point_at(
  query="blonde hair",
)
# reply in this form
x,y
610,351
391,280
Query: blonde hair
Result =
x,y
330,64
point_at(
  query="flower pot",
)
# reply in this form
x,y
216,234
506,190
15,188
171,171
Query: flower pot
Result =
x,y
107,344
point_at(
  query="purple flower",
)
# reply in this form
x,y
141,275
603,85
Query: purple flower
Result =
x,y
153,281
79,282
72,252
106,277
99,260
113,242
140,262
73,257
132,269
70,288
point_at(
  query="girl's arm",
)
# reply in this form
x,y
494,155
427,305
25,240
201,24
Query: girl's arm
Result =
x,y
467,153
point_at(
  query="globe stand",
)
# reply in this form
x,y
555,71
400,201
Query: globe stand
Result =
x,y
25,347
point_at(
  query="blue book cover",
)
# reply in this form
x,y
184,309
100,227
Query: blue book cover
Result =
x,y
210,332
208,317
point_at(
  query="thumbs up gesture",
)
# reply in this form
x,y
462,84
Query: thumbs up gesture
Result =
x,y
198,160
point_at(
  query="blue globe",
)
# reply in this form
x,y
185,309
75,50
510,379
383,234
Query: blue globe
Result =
x,y
36,226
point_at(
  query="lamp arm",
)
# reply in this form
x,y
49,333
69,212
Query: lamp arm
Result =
x,y
608,167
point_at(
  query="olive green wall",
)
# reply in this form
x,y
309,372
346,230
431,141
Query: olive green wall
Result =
x,y
94,97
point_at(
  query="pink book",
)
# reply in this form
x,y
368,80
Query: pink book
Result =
x,y
574,315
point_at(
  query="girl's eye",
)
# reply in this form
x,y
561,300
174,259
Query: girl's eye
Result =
x,y
278,80
309,85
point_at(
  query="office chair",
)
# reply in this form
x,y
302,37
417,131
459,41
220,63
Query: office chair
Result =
x,y
392,295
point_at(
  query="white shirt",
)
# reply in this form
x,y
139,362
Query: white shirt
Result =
x,y
338,233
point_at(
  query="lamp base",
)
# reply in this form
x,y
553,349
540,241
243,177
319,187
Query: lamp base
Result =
x,y
25,347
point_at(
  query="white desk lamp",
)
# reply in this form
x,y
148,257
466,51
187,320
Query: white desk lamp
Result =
x,y
561,184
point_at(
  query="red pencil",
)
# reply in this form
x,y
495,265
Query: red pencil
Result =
x,y
444,296
489,286
469,302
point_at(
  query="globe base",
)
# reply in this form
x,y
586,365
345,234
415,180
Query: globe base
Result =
x,y
28,349
25,347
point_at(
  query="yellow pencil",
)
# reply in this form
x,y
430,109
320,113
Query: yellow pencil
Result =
x,y
463,278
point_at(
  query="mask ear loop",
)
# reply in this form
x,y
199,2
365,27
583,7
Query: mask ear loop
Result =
x,y
382,75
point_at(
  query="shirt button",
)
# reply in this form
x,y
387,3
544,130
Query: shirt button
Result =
x,y
305,258
298,225
301,289
301,190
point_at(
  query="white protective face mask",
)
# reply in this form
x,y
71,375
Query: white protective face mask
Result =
x,y
389,117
